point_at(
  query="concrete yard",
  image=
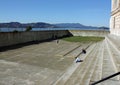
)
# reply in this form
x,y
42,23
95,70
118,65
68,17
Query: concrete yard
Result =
x,y
38,64
52,63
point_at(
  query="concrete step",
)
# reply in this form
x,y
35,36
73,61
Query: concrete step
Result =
x,y
78,51
101,60
108,66
114,40
108,63
89,73
97,74
110,82
78,75
73,68
115,52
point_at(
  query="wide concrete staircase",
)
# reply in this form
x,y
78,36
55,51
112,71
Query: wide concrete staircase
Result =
x,y
101,60
26,66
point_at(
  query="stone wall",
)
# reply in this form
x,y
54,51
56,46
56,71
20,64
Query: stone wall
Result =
x,y
115,24
115,18
12,38
99,33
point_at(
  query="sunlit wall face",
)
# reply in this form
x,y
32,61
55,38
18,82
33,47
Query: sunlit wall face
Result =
x,y
115,18
115,4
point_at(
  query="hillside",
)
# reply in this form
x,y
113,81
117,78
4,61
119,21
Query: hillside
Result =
x,y
47,25
24,25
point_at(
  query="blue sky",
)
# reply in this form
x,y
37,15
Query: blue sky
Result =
x,y
87,12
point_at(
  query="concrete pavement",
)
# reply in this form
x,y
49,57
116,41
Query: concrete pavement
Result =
x,y
52,63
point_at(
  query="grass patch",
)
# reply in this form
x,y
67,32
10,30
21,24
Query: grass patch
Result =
x,y
83,39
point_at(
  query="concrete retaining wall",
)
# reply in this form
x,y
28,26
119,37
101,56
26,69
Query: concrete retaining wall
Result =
x,y
99,33
11,38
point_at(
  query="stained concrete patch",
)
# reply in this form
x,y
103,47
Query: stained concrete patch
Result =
x,y
20,74
35,64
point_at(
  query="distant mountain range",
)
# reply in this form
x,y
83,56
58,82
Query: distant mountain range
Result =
x,y
23,25
47,25
78,25
70,25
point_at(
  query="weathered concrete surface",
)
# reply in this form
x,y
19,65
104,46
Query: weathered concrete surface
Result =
x,y
38,64
52,63
7,39
98,33
11,38
115,18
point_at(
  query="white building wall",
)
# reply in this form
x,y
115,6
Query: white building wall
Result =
x,y
115,18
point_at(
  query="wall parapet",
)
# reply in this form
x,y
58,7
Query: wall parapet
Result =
x,y
98,33
12,38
